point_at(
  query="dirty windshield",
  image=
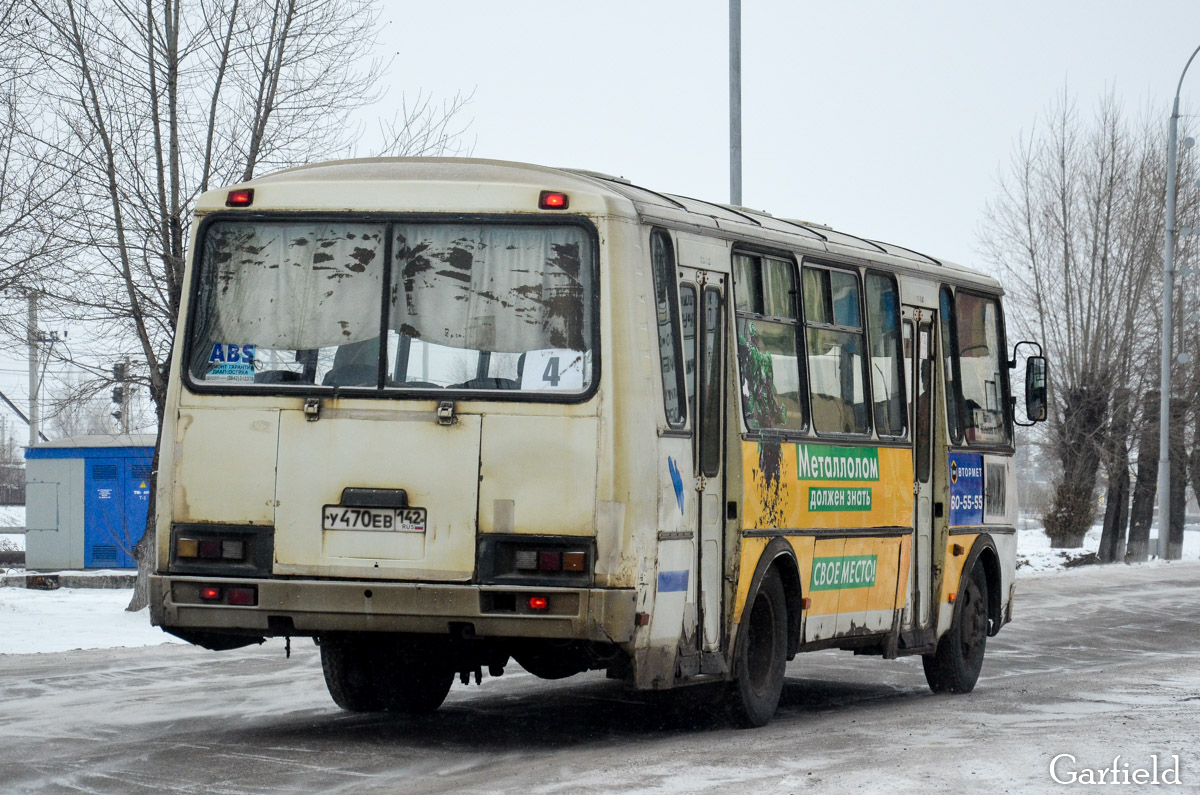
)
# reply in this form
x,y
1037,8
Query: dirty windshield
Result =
x,y
469,306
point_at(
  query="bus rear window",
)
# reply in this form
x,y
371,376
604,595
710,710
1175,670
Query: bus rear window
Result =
x,y
481,306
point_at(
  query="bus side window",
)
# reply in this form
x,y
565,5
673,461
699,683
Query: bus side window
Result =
x,y
666,303
981,368
950,366
767,329
887,376
836,360
687,312
712,383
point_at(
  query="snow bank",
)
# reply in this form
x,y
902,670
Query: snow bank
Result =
x,y
12,516
34,622
1036,557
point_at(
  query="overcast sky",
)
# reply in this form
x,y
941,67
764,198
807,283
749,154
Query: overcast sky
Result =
x,y
884,119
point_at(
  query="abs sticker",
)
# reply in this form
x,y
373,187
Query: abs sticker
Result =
x,y
228,362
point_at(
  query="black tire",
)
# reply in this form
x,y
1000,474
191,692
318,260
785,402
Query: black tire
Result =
x,y
762,655
414,678
392,674
549,659
349,674
954,667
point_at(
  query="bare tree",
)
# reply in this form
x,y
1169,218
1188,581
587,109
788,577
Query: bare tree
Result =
x,y
78,406
32,181
151,102
1077,229
425,128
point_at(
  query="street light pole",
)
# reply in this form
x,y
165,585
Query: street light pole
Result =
x,y
735,102
1164,401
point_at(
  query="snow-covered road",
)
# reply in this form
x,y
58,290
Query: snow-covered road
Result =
x,y
1100,662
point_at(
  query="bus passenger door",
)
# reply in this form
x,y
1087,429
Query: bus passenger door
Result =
x,y
918,355
704,358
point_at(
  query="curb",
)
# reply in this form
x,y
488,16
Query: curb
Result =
x,y
68,579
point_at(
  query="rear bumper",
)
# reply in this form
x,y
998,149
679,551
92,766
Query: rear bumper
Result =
x,y
309,607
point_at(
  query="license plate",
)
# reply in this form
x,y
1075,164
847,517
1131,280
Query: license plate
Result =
x,y
387,520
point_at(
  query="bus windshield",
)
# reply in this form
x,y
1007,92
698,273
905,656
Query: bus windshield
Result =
x,y
469,306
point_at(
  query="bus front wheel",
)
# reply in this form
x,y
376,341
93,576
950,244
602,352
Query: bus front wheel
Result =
x,y
954,667
758,669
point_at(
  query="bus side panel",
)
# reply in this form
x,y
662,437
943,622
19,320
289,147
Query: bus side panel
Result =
x,y
870,574
836,610
1006,550
817,575
820,486
667,580
953,577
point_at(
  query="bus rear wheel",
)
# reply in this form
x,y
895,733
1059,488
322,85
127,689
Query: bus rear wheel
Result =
x,y
393,674
415,678
349,666
954,667
758,670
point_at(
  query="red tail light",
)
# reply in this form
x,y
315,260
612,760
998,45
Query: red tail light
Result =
x,y
553,200
242,197
210,593
538,603
243,596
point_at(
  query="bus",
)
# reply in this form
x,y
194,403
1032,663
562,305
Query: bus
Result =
x,y
445,414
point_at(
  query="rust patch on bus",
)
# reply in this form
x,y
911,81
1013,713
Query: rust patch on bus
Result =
x,y
767,480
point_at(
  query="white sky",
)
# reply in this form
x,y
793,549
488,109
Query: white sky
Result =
x,y
887,120
884,119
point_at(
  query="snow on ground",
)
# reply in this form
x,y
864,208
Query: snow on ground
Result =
x,y
12,516
1035,556
34,622
12,542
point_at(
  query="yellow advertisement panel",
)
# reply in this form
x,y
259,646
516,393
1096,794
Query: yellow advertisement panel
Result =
x,y
839,575
806,486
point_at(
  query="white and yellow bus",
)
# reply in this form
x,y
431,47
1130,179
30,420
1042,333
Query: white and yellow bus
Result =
x,y
439,414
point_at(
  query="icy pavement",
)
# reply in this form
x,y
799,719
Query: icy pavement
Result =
x,y
1098,663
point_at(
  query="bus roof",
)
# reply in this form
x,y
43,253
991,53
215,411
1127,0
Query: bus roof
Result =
x,y
703,217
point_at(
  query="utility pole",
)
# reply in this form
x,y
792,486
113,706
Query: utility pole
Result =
x,y
34,417
128,401
1166,359
735,102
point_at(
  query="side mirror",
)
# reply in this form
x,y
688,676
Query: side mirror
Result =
x,y
1035,388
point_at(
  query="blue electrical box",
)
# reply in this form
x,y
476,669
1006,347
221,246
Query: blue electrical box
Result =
x,y
86,501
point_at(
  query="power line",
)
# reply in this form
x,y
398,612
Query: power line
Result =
x,y
20,414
